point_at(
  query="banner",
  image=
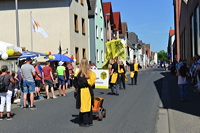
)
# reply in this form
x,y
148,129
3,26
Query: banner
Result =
x,y
114,48
102,79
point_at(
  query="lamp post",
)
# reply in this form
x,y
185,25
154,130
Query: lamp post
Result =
x,y
107,26
17,23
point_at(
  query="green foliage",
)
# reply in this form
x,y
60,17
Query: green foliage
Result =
x,y
162,55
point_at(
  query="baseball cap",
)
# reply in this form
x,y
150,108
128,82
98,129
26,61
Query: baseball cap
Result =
x,y
60,63
35,63
28,59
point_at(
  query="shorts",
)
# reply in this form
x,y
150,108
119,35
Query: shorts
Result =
x,y
48,82
28,86
38,83
61,80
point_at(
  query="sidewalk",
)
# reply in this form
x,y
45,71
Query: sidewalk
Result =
x,y
184,117
15,105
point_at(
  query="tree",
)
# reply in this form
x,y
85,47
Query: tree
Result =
x,y
162,55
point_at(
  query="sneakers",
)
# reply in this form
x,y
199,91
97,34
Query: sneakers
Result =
x,y
33,107
16,100
9,118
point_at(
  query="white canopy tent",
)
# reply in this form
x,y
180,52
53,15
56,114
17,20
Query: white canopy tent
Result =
x,y
4,46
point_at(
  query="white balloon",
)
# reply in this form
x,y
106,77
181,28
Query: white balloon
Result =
x,y
74,60
4,56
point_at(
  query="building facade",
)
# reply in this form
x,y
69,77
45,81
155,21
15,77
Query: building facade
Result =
x,y
187,29
96,28
64,21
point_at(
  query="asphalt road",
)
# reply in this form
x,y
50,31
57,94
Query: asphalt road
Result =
x,y
135,110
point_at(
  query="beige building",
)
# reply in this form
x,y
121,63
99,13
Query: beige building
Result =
x,y
64,21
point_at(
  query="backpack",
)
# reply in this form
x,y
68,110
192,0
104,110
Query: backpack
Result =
x,y
3,86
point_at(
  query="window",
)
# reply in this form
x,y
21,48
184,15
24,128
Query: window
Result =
x,y
84,53
183,49
102,56
76,23
96,10
97,55
192,36
196,31
101,33
101,13
82,2
83,26
97,35
77,54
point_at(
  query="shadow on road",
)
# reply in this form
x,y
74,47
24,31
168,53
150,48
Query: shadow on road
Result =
x,y
172,100
75,120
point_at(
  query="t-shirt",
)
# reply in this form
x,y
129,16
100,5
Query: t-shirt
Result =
x,y
70,67
37,74
27,71
7,81
60,70
115,67
182,80
46,70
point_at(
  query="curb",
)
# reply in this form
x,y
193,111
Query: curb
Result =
x,y
165,122
172,128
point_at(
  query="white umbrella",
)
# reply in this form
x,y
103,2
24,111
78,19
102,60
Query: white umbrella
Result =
x,y
4,46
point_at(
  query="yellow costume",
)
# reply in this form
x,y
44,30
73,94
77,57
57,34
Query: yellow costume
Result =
x,y
85,93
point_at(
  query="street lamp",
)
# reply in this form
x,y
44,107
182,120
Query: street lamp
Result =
x,y
17,23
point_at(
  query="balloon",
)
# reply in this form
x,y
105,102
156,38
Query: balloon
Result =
x,y
74,60
47,52
50,53
10,51
54,57
4,56
50,57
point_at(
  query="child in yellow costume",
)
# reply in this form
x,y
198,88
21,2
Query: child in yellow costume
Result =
x,y
84,82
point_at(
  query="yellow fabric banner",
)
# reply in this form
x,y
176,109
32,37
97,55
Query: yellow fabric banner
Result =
x,y
114,48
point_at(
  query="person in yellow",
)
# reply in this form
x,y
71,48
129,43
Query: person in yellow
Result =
x,y
84,83
134,68
114,80
121,71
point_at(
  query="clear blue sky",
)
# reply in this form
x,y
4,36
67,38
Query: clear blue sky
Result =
x,y
149,19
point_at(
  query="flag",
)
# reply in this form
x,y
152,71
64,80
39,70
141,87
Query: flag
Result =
x,y
114,48
36,28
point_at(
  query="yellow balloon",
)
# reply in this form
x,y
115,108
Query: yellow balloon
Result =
x,y
51,57
47,52
10,51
